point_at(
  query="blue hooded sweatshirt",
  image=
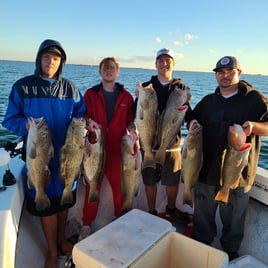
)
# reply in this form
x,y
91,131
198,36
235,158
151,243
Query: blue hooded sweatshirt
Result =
x,y
58,102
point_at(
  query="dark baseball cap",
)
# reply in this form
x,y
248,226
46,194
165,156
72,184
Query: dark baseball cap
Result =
x,y
227,62
53,49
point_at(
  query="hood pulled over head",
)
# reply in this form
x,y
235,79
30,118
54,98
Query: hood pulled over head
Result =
x,y
53,46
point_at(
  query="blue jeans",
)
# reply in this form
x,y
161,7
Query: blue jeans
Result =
x,y
232,216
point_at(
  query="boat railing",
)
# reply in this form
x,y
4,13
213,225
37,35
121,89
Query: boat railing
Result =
x,y
11,204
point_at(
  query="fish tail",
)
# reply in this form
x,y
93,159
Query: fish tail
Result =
x,y
127,206
136,191
30,184
147,164
42,203
160,157
187,198
48,176
62,173
94,197
149,160
67,197
222,196
93,191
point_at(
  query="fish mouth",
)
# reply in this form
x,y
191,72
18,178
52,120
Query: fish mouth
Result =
x,y
182,108
245,147
194,126
237,136
135,149
38,122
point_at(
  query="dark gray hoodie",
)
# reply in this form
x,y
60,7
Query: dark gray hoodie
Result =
x,y
46,45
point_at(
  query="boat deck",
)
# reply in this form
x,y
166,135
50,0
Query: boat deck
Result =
x,y
255,242
22,235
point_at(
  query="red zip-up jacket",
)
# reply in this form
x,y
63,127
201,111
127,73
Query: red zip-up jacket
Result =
x,y
113,133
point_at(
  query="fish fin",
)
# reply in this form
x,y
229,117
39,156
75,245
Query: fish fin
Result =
x,y
141,115
136,191
123,189
48,177
126,207
137,165
222,196
187,198
42,203
94,197
177,161
222,164
93,193
236,183
148,159
238,162
125,210
32,152
145,104
30,185
160,157
221,181
51,151
67,197
63,173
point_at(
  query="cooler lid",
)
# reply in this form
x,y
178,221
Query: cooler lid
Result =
x,y
121,242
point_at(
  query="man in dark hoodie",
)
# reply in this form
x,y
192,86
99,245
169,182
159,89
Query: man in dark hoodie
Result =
x,y
233,102
47,94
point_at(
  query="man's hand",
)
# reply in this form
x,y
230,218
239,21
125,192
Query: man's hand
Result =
x,y
247,127
91,125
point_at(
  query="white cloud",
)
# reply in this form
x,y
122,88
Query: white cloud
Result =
x,y
158,40
240,51
177,43
179,55
189,37
212,51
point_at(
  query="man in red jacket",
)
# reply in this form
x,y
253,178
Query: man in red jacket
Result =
x,y
109,106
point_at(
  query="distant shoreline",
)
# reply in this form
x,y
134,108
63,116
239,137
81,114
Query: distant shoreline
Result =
x,y
135,68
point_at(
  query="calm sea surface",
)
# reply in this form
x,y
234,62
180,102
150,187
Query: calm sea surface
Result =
x,y
85,76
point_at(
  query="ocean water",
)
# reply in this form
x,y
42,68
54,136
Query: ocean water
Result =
x,y
84,76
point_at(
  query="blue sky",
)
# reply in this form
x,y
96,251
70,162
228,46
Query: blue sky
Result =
x,y
200,32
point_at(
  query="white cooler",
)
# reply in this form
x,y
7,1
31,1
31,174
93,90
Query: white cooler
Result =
x,y
137,239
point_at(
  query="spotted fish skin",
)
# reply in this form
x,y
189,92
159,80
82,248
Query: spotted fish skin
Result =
x,y
71,156
235,158
192,160
39,151
93,164
130,171
146,121
170,122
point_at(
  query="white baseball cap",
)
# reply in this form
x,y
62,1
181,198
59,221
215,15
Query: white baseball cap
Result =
x,y
165,51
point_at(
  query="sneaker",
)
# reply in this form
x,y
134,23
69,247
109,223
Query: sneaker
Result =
x,y
232,255
182,217
85,231
153,212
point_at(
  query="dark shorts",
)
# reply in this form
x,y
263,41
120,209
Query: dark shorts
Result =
x,y
55,206
169,173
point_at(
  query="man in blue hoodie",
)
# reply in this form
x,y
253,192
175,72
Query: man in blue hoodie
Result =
x,y
47,94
